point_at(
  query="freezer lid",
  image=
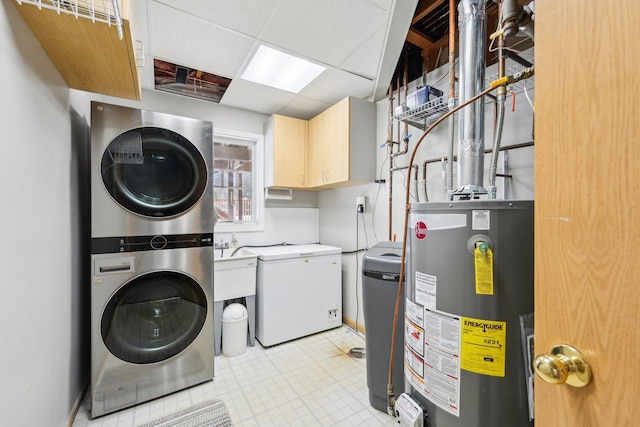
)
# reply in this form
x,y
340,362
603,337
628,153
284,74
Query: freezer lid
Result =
x,y
280,252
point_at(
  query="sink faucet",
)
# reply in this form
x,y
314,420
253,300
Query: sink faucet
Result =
x,y
222,246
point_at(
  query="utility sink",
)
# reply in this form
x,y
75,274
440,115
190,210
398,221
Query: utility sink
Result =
x,y
234,274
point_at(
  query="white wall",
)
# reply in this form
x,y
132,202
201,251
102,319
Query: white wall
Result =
x,y
43,227
338,207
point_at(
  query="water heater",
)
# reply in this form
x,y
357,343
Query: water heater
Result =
x,y
468,311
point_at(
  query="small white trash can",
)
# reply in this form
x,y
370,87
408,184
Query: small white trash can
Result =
x,y
235,325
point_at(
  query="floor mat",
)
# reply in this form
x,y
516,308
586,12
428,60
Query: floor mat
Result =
x,y
212,413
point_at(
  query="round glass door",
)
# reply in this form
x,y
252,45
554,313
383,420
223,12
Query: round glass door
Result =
x,y
154,172
154,317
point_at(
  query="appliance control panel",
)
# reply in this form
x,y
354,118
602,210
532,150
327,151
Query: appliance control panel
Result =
x,y
113,245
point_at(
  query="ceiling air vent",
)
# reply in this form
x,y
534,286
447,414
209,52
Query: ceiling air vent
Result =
x,y
185,81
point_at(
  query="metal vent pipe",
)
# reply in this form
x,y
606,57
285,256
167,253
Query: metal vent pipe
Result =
x,y
473,31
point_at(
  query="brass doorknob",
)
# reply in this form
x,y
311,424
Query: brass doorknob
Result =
x,y
565,364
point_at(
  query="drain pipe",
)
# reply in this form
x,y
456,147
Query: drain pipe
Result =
x,y
473,30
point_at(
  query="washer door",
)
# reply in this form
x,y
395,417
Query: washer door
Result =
x,y
154,317
154,172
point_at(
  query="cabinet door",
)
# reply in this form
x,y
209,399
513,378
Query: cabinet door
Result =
x,y
329,146
89,56
317,151
289,152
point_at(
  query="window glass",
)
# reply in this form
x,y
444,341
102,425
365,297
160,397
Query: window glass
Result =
x,y
236,184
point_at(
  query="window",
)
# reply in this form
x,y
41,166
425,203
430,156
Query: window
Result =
x,y
237,181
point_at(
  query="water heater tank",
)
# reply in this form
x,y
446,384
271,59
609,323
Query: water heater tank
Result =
x,y
469,287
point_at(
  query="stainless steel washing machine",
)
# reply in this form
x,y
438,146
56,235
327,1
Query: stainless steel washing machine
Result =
x,y
151,317
150,173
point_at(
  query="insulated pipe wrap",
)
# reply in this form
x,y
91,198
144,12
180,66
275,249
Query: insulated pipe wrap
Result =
x,y
473,30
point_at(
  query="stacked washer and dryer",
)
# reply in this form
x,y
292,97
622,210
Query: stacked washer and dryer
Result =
x,y
152,221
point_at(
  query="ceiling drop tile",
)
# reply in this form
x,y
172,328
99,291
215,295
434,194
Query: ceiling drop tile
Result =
x,y
244,16
190,41
327,31
252,96
303,108
333,85
383,4
365,60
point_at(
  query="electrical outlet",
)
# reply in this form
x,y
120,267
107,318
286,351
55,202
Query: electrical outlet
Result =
x,y
361,201
333,314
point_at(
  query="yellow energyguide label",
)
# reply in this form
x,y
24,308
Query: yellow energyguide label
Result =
x,y
484,271
483,346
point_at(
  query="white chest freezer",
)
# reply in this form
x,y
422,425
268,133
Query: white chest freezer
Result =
x,y
298,291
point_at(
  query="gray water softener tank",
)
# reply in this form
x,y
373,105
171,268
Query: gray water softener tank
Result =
x,y
380,274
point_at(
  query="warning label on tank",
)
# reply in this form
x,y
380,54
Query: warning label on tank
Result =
x,y
416,363
414,337
426,289
481,220
414,312
483,346
442,360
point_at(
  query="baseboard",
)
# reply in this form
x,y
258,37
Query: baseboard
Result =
x,y
352,324
77,403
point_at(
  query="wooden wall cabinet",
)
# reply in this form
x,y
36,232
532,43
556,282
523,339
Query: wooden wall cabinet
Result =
x,y
342,142
285,152
89,56
333,149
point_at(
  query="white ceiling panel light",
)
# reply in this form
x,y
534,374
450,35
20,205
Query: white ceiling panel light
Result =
x,y
277,69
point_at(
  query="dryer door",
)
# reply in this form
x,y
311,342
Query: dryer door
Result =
x,y
153,317
154,172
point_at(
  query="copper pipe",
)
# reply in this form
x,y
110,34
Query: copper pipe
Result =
x,y
452,49
501,51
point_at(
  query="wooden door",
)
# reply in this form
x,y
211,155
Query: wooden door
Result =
x,y
587,227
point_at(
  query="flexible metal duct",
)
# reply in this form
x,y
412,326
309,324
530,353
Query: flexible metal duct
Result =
x,y
473,30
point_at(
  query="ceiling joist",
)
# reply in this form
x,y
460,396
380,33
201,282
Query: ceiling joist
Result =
x,y
416,38
424,8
